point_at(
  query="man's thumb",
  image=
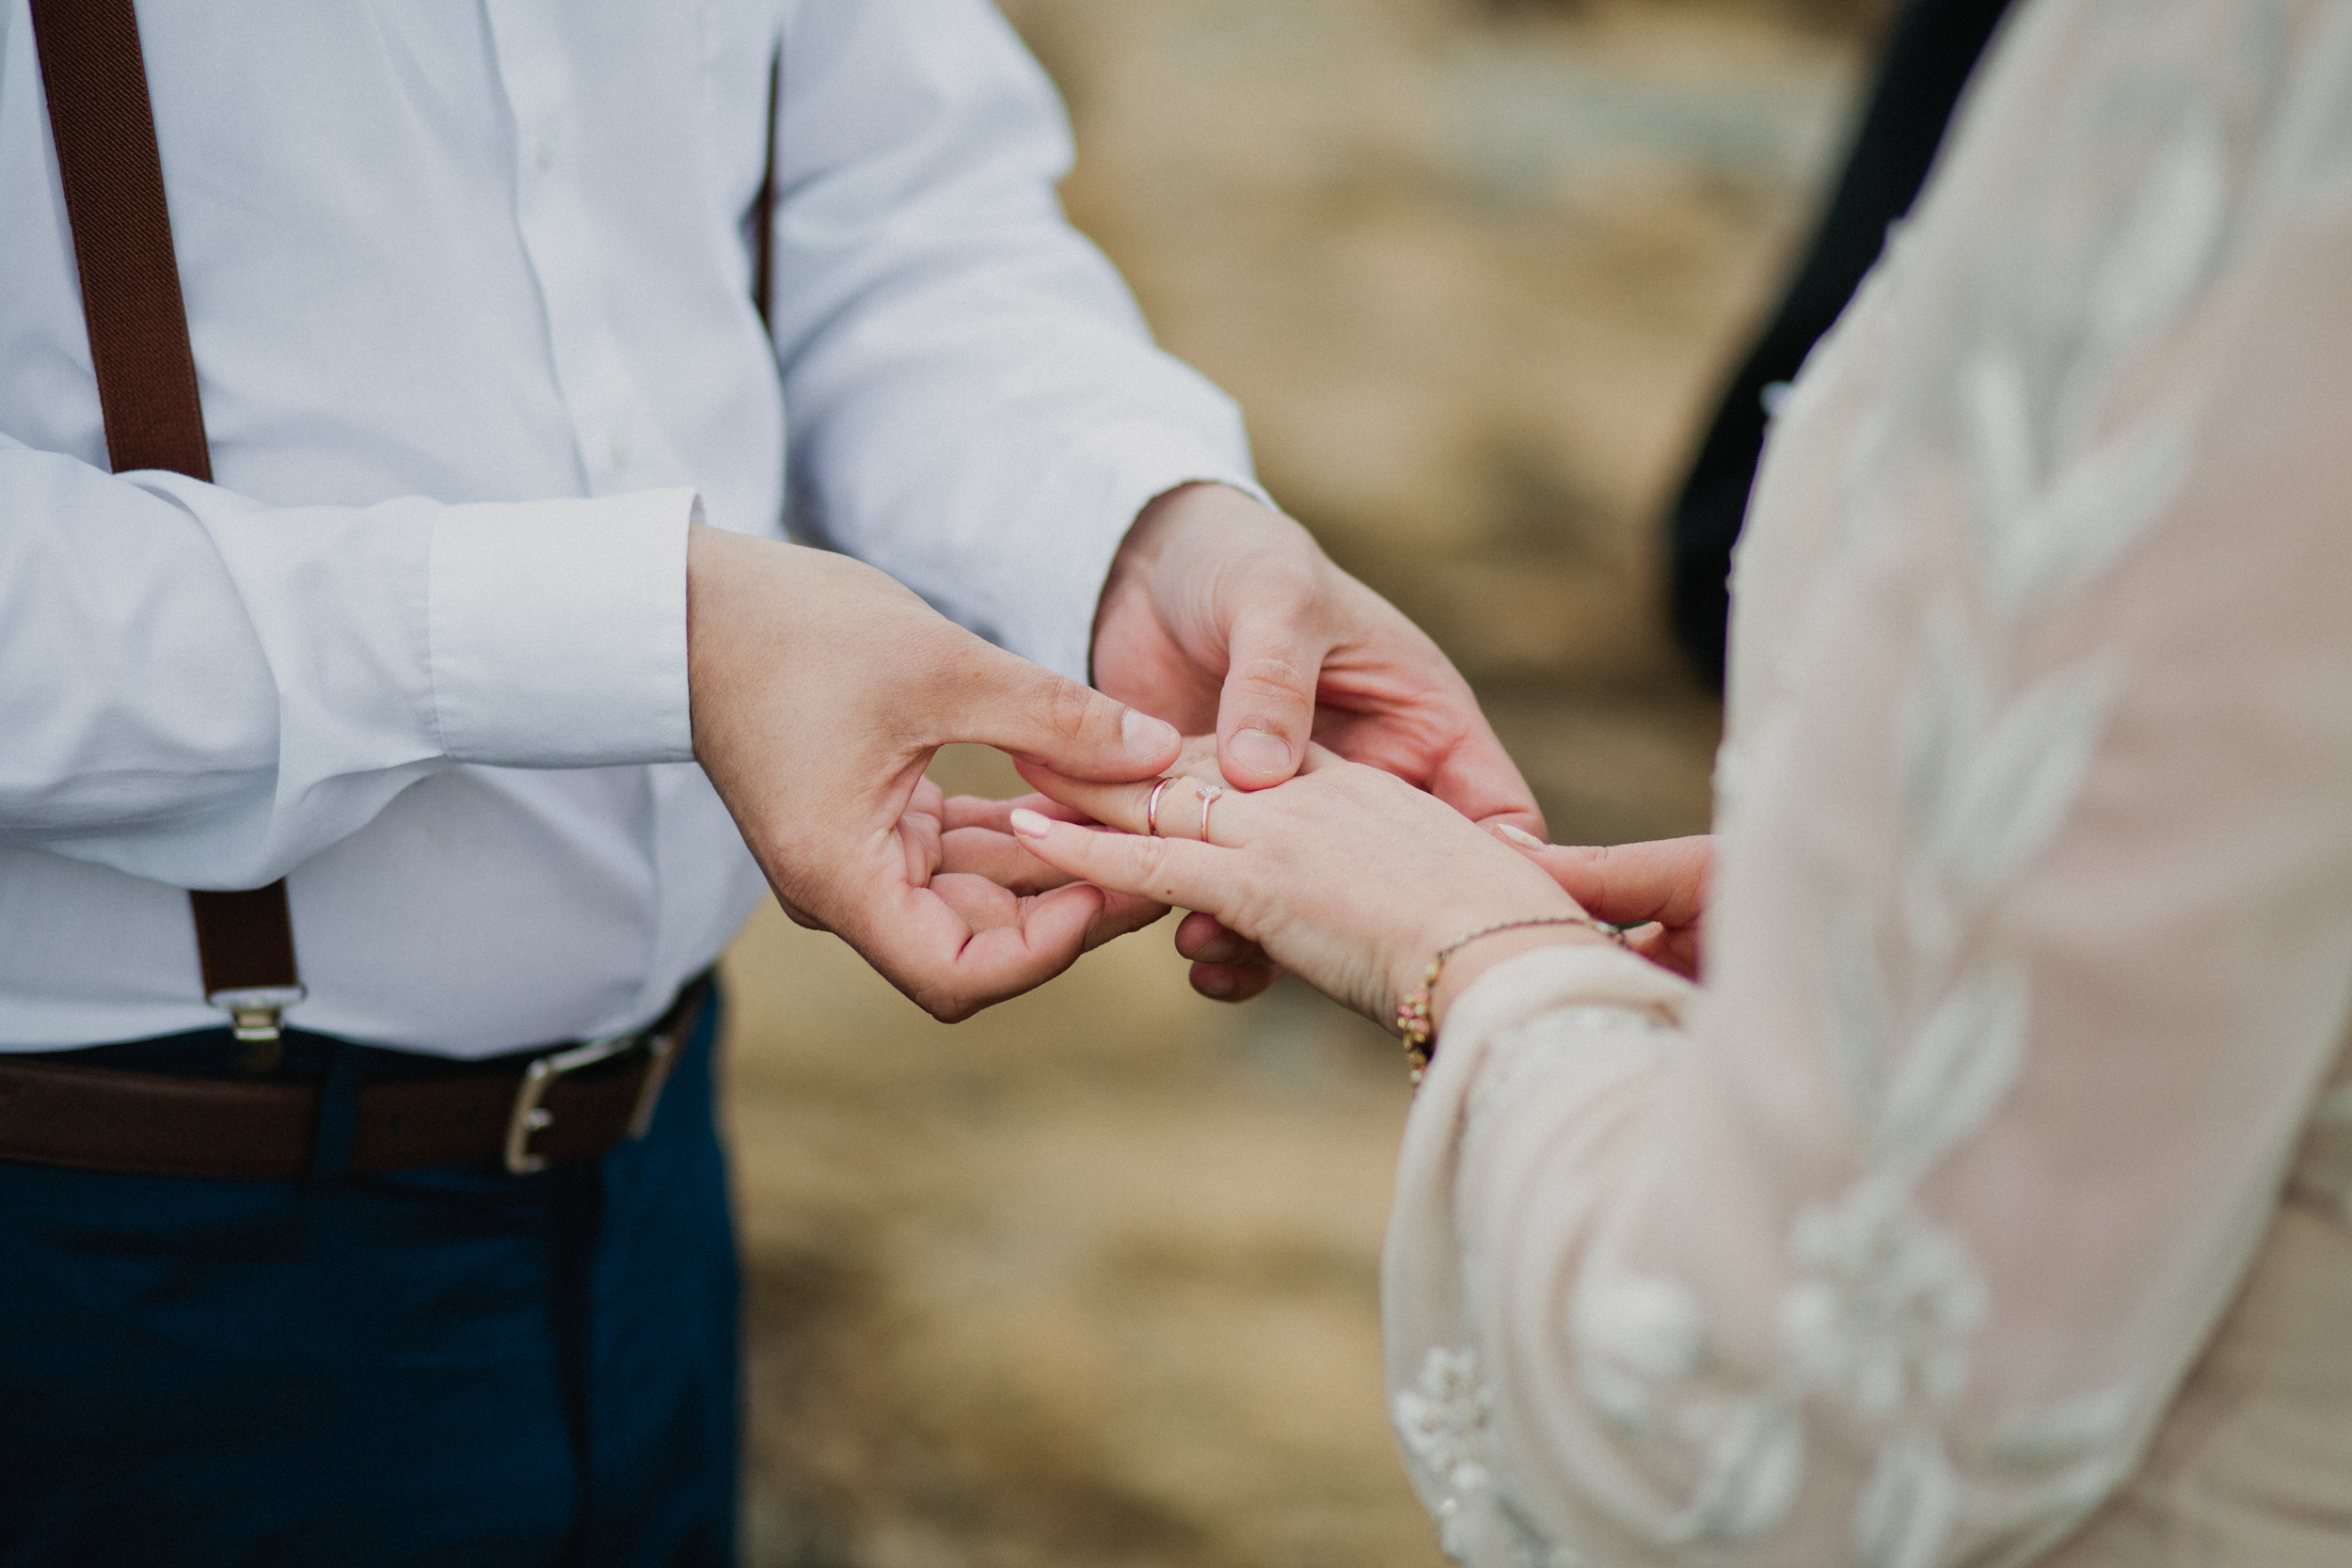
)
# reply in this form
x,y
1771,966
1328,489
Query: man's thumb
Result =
x,y
1266,711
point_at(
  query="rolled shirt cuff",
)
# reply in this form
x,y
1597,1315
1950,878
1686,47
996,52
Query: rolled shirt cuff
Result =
x,y
558,631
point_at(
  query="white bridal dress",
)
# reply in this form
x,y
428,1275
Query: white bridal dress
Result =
x,y
1988,1204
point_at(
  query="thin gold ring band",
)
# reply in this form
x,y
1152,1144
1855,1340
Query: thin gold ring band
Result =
x,y
1151,806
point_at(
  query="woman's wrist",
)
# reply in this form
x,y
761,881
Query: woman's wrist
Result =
x,y
1470,948
1467,965
1408,948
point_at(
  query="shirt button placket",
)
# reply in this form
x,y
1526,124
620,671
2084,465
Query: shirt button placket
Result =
x,y
620,445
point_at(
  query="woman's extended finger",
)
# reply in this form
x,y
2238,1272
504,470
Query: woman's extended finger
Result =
x,y
979,811
1164,870
1172,806
997,856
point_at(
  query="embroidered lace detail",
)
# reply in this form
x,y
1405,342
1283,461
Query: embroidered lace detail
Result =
x,y
1928,1019
2019,428
1443,1423
1885,1302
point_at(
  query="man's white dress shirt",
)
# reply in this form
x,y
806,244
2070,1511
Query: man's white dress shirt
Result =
x,y
469,294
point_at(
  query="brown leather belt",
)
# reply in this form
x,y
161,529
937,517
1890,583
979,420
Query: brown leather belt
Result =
x,y
570,1105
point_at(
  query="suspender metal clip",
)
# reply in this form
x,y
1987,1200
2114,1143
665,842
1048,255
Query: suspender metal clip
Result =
x,y
255,1018
254,1012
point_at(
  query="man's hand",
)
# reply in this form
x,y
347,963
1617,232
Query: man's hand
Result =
x,y
1222,614
821,690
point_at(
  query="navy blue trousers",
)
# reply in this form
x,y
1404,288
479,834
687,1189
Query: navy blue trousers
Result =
x,y
451,1367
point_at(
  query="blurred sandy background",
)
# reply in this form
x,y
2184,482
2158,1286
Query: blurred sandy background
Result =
x,y
1093,1279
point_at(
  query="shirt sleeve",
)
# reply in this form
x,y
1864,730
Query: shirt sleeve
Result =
x,y
2030,947
974,403
204,690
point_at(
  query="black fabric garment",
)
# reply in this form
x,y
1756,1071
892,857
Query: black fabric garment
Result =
x,y
1929,51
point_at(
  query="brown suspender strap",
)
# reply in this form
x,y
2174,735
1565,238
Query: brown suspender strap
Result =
x,y
244,941
104,129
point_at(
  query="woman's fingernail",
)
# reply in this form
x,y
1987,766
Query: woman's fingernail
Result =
x,y
1140,732
1520,836
1028,824
1260,752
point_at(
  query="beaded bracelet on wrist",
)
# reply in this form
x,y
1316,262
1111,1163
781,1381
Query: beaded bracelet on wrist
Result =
x,y
1412,1014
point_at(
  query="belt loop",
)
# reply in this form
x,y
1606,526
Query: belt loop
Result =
x,y
339,1115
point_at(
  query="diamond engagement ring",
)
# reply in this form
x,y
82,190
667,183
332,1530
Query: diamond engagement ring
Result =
x,y
1208,795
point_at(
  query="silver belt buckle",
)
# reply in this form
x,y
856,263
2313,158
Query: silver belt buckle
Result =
x,y
530,1116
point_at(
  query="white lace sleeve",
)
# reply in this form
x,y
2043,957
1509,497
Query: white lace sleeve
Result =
x,y
2031,939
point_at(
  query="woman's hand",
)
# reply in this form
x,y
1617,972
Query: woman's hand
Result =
x,y
1347,875
1659,887
979,840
